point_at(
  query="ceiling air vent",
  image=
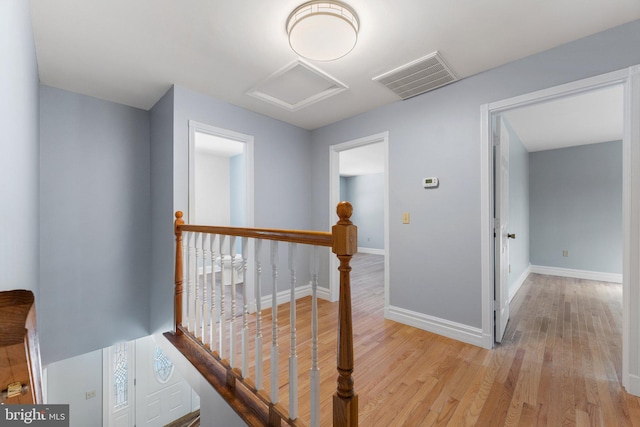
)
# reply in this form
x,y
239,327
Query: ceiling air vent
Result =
x,y
419,76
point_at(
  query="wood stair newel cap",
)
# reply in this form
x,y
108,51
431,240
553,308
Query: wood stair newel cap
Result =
x,y
345,234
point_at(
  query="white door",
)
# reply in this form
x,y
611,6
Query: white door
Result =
x,y
501,227
162,394
119,379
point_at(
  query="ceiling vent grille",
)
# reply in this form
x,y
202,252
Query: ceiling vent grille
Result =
x,y
419,76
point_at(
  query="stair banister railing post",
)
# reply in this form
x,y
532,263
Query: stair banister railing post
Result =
x,y
178,274
345,244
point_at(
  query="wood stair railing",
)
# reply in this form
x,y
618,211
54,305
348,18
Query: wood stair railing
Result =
x,y
195,339
20,366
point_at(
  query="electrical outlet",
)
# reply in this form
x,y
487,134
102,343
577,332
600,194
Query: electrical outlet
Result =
x,y
90,394
565,253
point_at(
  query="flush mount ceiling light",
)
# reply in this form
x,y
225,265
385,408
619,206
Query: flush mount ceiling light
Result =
x,y
322,30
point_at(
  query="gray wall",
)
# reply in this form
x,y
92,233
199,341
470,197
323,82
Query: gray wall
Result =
x,y
19,161
518,207
281,153
162,213
281,175
576,205
343,188
94,222
438,134
366,193
67,382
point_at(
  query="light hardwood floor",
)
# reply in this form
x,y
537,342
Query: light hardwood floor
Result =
x,y
560,362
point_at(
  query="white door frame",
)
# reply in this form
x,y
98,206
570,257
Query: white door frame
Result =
x,y
194,127
629,78
334,199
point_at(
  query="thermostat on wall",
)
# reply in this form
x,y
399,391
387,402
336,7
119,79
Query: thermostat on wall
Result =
x,y
430,182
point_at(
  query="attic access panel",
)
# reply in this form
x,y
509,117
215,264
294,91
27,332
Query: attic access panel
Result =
x,y
297,86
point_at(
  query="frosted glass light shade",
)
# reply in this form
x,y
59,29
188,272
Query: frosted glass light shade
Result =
x,y
322,30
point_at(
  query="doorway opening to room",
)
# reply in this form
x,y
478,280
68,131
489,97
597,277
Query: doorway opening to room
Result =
x,y
558,196
359,174
600,189
221,187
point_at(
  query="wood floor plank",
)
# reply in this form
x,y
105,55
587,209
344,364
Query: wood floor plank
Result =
x,y
559,363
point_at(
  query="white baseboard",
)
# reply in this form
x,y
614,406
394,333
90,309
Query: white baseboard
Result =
x,y
577,274
323,293
283,297
634,385
519,282
447,328
372,251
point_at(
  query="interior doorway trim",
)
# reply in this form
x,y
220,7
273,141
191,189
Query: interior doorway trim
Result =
x,y
195,127
334,199
629,78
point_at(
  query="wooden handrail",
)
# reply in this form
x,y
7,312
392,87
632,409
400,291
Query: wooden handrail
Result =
x,y
344,242
318,238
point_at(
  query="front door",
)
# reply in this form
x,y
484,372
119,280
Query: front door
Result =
x,y
162,394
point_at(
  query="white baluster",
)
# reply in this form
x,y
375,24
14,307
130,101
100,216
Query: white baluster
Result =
x,y
274,323
232,325
198,303
185,280
293,357
214,319
191,297
223,321
258,294
206,324
314,374
245,310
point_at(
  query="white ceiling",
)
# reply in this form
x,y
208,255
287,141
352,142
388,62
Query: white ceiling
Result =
x,y
132,51
588,118
217,146
362,160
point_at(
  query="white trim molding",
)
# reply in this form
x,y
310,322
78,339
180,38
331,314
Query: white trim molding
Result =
x,y
577,274
283,297
519,282
629,78
372,251
444,327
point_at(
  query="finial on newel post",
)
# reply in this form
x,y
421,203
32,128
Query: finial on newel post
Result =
x,y
345,244
177,300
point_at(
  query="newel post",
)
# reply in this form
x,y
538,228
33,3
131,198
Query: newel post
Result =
x,y
345,244
177,300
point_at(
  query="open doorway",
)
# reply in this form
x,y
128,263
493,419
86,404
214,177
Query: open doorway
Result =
x,y
220,176
558,192
359,172
627,81
221,187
